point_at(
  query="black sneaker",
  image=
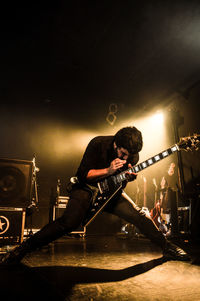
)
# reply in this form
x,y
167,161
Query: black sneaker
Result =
x,y
173,252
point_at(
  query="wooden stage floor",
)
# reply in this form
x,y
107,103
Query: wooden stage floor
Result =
x,y
102,268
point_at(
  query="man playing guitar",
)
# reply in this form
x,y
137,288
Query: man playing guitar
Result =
x,y
108,158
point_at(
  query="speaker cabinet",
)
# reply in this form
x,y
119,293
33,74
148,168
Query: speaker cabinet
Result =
x,y
16,178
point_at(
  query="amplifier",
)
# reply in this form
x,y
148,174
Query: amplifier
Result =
x,y
184,219
16,178
12,222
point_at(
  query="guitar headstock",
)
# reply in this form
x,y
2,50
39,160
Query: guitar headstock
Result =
x,y
189,143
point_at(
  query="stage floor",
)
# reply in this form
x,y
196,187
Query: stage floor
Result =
x,y
99,267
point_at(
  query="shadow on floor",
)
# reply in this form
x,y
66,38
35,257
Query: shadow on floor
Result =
x,y
50,282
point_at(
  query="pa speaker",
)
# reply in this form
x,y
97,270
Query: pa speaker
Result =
x,y
16,178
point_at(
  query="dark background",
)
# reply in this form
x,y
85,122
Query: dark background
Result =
x,y
64,63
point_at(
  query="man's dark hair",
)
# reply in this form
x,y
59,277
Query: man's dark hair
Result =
x,y
129,138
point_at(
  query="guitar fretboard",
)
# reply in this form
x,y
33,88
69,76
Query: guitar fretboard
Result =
x,y
122,176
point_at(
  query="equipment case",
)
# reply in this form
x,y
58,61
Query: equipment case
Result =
x,y
12,222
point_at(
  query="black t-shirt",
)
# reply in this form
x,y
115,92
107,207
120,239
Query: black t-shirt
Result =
x,y
98,155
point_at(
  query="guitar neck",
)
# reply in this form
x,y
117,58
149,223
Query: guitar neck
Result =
x,y
164,154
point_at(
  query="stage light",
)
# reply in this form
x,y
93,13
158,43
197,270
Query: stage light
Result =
x,y
158,118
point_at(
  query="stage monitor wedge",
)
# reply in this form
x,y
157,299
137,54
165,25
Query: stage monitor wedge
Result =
x,y
16,177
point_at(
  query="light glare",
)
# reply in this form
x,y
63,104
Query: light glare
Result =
x,y
157,118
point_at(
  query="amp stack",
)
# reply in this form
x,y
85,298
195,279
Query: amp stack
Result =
x,y
17,180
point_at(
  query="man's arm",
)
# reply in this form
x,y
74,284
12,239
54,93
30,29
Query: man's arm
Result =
x,y
95,174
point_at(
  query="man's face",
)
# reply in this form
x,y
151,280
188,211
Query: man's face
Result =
x,y
122,153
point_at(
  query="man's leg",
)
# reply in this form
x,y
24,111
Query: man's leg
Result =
x,y
125,208
75,212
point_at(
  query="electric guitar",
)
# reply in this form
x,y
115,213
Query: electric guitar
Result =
x,y
108,188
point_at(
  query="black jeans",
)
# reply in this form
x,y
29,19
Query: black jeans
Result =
x,y
124,207
78,205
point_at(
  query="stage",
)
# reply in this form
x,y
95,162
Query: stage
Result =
x,y
99,267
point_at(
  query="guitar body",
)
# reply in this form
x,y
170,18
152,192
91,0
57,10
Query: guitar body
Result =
x,y
155,214
101,199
